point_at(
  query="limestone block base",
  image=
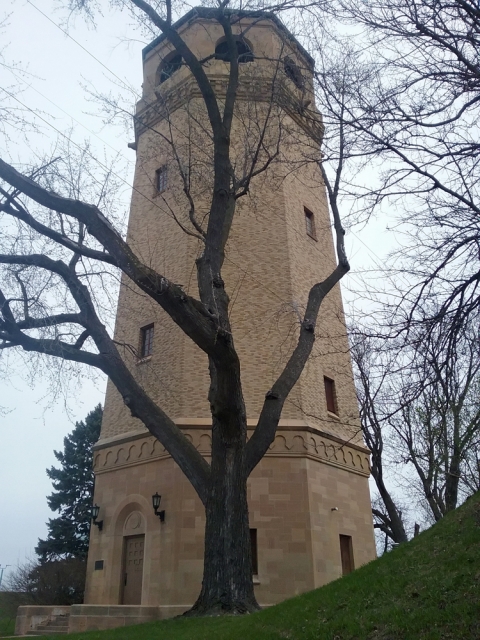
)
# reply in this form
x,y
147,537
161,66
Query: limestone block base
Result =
x,y
90,617
29,617
95,617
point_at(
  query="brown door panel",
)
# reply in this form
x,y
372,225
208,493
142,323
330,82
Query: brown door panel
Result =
x,y
133,569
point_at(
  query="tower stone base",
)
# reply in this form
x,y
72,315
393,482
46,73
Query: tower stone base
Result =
x,y
309,491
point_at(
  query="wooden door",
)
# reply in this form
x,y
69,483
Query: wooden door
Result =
x,y
133,569
346,552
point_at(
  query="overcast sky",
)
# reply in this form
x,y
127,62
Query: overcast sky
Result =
x,y
58,67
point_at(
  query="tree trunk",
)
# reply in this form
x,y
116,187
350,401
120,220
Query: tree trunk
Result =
x,y
227,586
397,527
451,483
396,523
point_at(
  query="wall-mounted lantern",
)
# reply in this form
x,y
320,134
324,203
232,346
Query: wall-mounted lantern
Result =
x,y
95,511
156,499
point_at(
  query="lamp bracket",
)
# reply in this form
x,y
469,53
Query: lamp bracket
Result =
x,y
99,524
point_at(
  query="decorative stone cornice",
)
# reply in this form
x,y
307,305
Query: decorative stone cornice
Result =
x,y
259,88
292,440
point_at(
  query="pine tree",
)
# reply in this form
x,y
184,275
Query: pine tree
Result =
x,y
73,493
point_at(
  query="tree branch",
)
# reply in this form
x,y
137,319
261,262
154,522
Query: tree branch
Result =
x,y
265,431
109,361
189,314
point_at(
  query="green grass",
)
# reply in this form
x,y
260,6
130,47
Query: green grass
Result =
x,y
7,621
428,589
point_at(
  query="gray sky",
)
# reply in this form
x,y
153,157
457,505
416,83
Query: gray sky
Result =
x,y
57,68
36,422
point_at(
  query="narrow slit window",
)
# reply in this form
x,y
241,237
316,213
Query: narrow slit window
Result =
x,y
254,550
161,179
346,553
310,223
293,73
330,395
146,341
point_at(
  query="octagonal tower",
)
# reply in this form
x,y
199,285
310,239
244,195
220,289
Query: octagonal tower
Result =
x,y
309,502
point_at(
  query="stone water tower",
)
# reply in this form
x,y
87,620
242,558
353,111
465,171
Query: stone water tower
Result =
x,y
309,502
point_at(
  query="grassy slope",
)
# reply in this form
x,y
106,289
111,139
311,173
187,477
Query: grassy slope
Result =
x,y
427,589
7,623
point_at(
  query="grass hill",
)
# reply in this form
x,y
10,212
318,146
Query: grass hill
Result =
x,y
7,622
427,589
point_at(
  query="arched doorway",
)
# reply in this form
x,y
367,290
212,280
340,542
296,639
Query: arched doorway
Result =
x,y
133,556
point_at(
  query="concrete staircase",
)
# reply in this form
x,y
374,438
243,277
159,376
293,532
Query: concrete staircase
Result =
x,y
57,625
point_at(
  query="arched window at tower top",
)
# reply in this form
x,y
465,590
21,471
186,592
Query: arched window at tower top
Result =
x,y
245,53
293,72
168,67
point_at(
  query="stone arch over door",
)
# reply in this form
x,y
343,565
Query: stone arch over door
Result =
x,y
134,524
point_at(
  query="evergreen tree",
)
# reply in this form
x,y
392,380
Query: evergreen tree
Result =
x,y
73,493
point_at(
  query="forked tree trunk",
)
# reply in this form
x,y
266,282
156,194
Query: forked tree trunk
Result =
x,y
451,483
396,522
227,586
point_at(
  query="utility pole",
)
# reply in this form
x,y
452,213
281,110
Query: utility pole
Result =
x,y
2,569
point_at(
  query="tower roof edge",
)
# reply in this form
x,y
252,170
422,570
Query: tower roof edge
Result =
x,y
211,12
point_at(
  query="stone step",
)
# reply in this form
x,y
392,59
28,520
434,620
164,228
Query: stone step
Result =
x,y
55,626
53,631
49,627
61,621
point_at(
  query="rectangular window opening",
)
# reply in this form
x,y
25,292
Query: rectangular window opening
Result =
x,y
146,341
310,223
330,395
346,552
254,550
161,176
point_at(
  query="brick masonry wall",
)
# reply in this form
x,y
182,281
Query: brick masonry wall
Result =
x,y
271,262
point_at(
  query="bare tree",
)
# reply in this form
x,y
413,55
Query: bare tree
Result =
x,y
60,582
439,431
373,369
422,399
414,106
399,83
62,247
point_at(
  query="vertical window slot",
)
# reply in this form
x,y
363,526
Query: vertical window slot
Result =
x,y
310,223
330,395
254,550
146,341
